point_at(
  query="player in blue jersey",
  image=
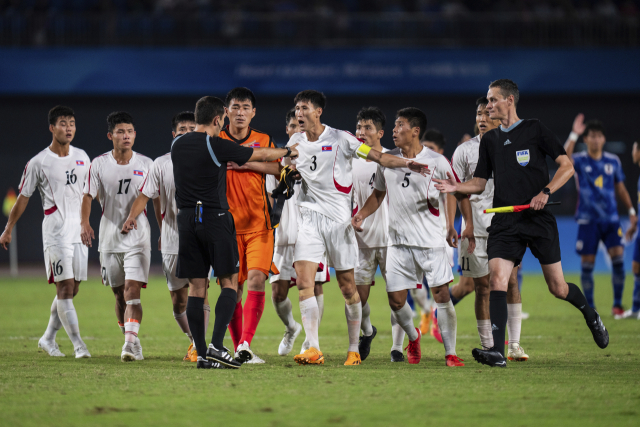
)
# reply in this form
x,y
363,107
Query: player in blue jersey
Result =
x,y
600,180
634,311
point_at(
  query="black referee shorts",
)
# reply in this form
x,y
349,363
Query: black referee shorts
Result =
x,y
511,233
211,242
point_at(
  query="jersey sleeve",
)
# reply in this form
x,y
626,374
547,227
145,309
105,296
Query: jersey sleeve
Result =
x,y
30,178
350,144
619,173
150,187
445,167
228,151
484,169
92,185
380,183
549,143
459,164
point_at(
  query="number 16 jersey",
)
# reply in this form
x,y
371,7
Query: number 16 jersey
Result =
x,y
116,186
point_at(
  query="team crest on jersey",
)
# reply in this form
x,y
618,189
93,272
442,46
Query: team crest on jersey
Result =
x,y
608,168
327,148
523,157
79,163
138,173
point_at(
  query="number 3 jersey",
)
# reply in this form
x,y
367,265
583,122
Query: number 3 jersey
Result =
x,y
116,186
414,201
60,181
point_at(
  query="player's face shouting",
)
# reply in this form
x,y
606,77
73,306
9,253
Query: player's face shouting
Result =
x,y
184,127
498,105
403,133
307,115
123,136
240,113
484,121
367,131
64,130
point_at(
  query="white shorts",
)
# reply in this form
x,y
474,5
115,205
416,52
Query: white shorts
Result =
x,y
475,264
121,266
66,262
406,265
368,261
169,266
283,259
319,235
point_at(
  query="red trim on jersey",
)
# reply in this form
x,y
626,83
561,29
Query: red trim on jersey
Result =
x,y
24,178
51,279
320,267
432,209
355,211
453,170
340,188
51,210
419,286
147,177
163,214
51,188
145,211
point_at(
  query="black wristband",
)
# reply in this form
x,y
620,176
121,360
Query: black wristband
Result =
x,y
288,152
546,191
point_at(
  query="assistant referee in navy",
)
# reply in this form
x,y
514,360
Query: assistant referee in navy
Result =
x,y
205,226
514,155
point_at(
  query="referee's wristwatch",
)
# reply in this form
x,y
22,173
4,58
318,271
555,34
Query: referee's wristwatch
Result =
x,y
288,152
546,191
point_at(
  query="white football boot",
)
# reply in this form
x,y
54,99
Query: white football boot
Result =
x,y
128,354
51,347
82,352
244,353
628,314
516,353
286,345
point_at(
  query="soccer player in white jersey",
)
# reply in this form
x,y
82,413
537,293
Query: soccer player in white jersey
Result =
x,y
325,163
418,242
159,185
374,239
475,264
115,178
58,172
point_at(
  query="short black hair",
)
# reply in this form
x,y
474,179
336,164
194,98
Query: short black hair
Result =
x,y
118,117
435,136
59,111
374,114
415,117
291,114
593,125
185,116
507,87
240,94
313,96
207,108
481,101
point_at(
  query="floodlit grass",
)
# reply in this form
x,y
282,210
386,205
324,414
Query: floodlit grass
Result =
x,y
567,381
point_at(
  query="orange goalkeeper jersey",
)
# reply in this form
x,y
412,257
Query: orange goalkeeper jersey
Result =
x,y
246,190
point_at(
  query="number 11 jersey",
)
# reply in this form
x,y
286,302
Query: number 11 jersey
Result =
x,y
116,186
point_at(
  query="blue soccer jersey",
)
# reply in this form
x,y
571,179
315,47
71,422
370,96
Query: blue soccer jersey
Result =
x,y
596,180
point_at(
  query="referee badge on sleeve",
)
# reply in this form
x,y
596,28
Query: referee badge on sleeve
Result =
x,y
523,157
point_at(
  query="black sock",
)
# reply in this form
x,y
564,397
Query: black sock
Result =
x,y
454,300
578,300
225,307
499,315
195,317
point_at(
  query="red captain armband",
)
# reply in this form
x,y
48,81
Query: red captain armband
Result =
x,y
363,151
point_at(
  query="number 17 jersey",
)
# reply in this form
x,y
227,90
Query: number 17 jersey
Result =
x,y
117,187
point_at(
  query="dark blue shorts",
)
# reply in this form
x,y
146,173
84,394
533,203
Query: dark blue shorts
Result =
x,y
589,235
636,249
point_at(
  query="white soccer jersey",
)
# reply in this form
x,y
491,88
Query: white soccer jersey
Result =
x,y
414,201
325,166
375,232
60,181
464,162
117,188
159,183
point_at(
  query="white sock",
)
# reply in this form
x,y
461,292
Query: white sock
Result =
x,y
284,312
354,321
69,318
310,321
486,336
181,319
207,312
514,322
366,327
397,334
54,322
404,318
448,323
320,299
131,330
420,298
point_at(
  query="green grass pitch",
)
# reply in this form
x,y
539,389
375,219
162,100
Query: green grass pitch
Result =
x,y
567,381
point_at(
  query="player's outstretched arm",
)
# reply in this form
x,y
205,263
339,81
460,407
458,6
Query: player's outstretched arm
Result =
x,y
264,168
393,162
467,214
576,130
370,206
563,174
16,212
136,209
86,232
262,154
450,185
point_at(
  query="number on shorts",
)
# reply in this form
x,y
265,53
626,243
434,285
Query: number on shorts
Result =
x,y
314,166
405,181
126,190
57,268
465,259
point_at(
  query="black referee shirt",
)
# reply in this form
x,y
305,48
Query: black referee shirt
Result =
x,y
516,158
200,169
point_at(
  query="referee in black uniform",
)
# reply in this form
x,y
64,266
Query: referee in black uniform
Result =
x,y
514,154
206,228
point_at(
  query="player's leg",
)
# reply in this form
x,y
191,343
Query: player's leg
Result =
x,y
322,277
120,305
364,275
612,238
179,293
353,313
419,296
112,272
483,318
136,272
397,338
318,291
587,247
514,319
280,284
305,282
48,340
634,311
68,316
235,326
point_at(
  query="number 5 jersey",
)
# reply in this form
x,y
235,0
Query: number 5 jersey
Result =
x,y
117,187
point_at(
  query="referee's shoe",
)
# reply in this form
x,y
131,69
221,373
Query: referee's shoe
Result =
x,y
490,357
222,357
